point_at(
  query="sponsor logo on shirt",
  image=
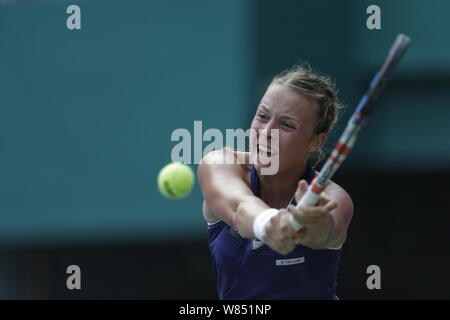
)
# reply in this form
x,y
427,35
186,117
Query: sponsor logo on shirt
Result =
x,y
289,262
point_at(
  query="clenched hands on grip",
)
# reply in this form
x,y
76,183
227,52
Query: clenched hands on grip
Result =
x,y
316,220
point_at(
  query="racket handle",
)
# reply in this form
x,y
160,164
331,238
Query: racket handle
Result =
x,y
310,198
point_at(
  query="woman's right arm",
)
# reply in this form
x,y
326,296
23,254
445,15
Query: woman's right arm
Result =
x,y
226,192
228,196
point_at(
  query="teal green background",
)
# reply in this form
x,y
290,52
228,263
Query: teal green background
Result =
x,y
86,115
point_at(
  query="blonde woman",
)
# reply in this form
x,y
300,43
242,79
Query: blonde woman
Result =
x,y
256,253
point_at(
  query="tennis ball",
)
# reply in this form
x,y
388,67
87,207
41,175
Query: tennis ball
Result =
x,y
176,180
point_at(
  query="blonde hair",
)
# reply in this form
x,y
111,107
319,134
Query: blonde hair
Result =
x,y
320,89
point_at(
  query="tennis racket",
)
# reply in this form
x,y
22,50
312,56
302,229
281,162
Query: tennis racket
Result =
x,y
356,122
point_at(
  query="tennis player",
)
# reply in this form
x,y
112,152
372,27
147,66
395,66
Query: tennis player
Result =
x,y
256,252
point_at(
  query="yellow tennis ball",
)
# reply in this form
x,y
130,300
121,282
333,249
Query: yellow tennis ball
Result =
x,y
176,180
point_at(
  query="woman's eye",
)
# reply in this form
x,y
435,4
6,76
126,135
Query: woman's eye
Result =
x,y
288,125
262,116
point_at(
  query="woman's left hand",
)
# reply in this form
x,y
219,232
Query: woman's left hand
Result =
x,y
316,221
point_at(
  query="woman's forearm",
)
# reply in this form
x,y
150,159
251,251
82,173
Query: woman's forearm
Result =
x,y
245,214
322,236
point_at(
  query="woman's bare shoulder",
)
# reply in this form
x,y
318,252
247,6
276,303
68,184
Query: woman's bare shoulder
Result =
x,y
339,194
335,188
233,163
227,156
222,169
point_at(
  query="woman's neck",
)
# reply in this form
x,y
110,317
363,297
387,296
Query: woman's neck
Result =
x,y
277,190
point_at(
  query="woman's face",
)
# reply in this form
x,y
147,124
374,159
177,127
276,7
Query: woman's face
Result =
x,y
295,117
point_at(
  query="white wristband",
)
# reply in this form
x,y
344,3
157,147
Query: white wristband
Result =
x,y
259,225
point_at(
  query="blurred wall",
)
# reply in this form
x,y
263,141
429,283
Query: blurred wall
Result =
x,y
408,131
86,116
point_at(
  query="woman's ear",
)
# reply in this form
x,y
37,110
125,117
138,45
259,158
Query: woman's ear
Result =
x,y
317,142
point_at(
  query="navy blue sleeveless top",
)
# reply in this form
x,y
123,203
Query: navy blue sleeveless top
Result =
x,y
248,269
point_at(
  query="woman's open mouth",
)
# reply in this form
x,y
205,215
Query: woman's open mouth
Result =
x,y
265,151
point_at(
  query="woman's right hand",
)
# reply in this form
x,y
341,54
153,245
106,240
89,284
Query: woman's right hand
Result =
x,y
279,235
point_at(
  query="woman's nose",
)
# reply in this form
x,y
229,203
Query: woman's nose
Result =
x,y
268,127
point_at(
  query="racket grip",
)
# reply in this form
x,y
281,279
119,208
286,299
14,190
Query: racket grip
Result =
x,y
310,198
